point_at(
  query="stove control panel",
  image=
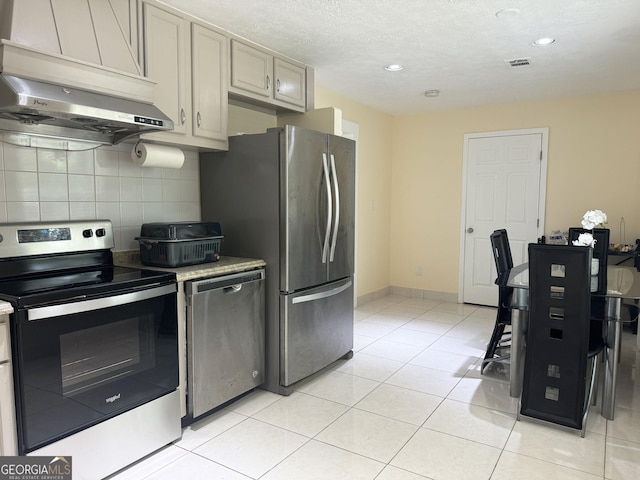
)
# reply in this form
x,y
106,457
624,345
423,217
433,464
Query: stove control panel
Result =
x,y
25,239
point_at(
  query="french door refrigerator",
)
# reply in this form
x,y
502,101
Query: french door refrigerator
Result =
x,y
288,196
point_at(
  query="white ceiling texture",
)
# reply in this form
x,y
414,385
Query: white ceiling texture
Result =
x,y
459,47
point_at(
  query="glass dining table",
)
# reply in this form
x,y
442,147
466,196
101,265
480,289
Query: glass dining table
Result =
x,y
623,283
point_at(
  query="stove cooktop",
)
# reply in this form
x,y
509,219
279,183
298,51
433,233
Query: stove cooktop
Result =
x,y
94,282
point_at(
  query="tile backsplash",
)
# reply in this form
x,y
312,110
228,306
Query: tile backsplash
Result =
x,y
42,184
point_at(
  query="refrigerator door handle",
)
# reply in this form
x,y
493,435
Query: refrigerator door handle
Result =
x,y
336,222
327,233
319,295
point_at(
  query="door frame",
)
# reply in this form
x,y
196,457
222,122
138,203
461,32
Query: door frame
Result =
x,y
352,130
542,194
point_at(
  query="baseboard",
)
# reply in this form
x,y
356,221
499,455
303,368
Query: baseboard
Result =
x,y
409,293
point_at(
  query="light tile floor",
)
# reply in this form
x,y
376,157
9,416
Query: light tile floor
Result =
x,y
410,405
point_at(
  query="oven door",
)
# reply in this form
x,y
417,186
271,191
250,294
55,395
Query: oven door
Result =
x,y
80,363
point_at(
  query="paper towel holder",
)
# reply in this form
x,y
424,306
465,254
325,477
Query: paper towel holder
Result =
x,y
135,149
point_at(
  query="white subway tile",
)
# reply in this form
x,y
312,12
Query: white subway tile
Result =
x,y
21,186
116,238
128,238
109,211
53,187
170,190
3,211
53,161
189,191
54,211
107,189
82,210
130,189
152,212
106,162
1,157
82,188
171,173
151,172
23,211
126,165
131,214
191,168
20,159
171,212
190,211
81,162
3,193
152,189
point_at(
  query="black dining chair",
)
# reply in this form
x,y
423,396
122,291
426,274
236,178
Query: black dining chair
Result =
x,y
560,344
498,348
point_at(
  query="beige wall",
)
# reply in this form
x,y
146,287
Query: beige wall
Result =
x,y
594,162
410,178
374,189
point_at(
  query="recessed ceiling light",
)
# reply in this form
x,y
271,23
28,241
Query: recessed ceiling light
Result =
x,y
394,67
543,42
507,13
432,93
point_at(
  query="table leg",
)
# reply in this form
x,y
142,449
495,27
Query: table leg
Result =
x,y
519,319
612,344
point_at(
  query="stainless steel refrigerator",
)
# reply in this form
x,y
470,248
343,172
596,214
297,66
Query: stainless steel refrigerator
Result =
x,y
288,196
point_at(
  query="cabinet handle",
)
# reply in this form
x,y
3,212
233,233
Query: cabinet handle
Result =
x,y
278,85
183,116
268,83
199,118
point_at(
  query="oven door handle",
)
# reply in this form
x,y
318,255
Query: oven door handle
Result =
x,y
59,310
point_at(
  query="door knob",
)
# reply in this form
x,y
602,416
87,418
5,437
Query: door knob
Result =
x,y
470,230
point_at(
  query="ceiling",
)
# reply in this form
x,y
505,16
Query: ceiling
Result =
x,y
458,47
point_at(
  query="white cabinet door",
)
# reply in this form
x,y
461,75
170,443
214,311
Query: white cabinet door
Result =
x,y
209,59
251,69
166,52
290,82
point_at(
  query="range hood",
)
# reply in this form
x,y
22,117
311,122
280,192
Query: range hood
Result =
x,y
70,78
48,110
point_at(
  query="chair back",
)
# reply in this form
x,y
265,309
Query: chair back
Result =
x,y
600,251
558,335
501,251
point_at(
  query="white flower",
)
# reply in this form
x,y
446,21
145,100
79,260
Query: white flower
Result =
x,y
585,240
593,218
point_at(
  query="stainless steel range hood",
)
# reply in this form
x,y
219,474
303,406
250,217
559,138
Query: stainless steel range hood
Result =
x,y
49,110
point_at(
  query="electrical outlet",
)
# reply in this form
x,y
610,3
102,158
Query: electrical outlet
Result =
x,y
418,270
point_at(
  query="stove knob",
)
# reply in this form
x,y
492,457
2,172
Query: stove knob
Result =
x,y
101,232
88,233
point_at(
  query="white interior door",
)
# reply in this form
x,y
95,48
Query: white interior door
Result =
x,y
505,177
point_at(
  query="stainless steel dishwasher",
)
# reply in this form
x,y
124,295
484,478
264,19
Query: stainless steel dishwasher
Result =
x,y
225,339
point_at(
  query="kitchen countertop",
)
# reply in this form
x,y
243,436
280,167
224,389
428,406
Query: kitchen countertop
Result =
x,y
131,258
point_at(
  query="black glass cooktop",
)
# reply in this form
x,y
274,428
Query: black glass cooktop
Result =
x,y
80,283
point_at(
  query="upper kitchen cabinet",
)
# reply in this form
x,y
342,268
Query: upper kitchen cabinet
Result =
x,y
264,78
189,60
99,32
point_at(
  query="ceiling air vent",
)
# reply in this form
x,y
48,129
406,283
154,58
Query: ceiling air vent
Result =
x,y
518,62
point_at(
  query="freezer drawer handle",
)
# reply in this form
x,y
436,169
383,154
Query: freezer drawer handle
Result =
x,y
319,295
327,233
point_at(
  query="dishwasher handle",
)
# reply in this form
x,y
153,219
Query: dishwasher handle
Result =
x,y
228,283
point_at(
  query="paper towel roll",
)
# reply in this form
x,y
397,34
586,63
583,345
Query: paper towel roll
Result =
x,y
152,155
